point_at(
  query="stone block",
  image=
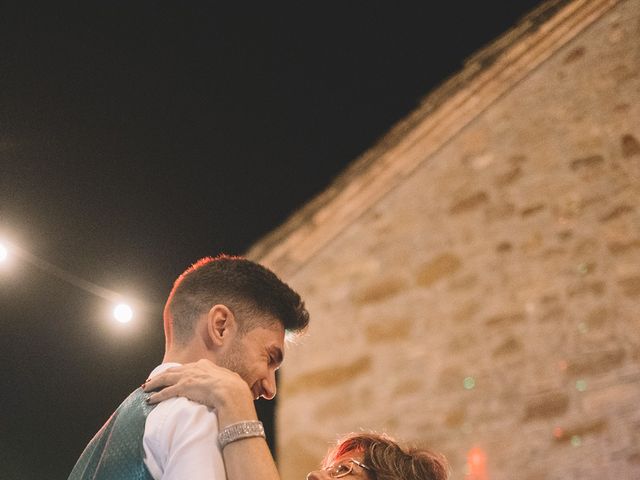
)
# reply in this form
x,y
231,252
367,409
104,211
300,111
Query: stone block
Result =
x,y
469,202
508,177
580,428
461,343
587,162
408,387
466,282
388,330
466,313
595,287
630,146
379,290
505,319
616,212
623,247
549,405
504,247
575,54
630,286
440,267
595,362
565,235
455,417
508,347
329,377
553,252
499,211
634,457
597,319
533,243
532,210
337,406
452,377
553,313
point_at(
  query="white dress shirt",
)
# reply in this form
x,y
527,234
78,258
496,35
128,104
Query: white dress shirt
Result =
x,y
181,440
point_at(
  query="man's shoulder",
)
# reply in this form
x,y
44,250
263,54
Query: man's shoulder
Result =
x,y
180,436
180,413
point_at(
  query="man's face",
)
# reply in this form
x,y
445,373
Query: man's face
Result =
x,y
256,356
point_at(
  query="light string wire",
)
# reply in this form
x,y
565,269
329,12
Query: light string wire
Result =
x,y
76,281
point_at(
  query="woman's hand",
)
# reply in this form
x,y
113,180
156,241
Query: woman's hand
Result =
x,y
206,383
216,387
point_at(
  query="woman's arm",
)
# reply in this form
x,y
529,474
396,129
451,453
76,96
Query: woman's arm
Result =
x,y
219,388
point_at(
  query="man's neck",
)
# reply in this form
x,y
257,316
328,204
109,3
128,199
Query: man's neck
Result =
x,y
186,355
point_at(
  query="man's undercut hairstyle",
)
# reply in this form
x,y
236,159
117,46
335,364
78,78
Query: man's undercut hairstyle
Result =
x,y
389,461
245,287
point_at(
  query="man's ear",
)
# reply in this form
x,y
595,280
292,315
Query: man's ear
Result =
x,y
220,324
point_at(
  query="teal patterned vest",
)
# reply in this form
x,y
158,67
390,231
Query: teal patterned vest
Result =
x,y
116,451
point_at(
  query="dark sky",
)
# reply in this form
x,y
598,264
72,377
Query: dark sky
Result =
x,y
139,136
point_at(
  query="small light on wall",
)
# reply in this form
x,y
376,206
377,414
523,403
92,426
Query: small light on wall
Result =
x,y
476,464
469,383
581,385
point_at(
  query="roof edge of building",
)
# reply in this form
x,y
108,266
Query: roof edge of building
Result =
x,y
485,77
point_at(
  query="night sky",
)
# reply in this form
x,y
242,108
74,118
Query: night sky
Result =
x,y
137,137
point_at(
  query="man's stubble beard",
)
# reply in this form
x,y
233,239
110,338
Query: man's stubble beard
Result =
x,y
234,360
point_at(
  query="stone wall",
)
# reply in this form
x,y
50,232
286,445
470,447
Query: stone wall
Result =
x,y
492,299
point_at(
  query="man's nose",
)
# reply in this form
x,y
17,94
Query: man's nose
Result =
x,y
269,386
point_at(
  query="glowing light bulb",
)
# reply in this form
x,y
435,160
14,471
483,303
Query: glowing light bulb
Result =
x,y
123,313
4,253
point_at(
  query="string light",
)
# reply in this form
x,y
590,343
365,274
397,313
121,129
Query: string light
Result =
x,y
122,312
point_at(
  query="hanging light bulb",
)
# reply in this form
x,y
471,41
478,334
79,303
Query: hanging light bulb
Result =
x,y
123,313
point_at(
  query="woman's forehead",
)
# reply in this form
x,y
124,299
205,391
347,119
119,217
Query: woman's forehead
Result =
x,y
346,456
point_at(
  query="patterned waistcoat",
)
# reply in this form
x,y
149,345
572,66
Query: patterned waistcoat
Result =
x,y
116,451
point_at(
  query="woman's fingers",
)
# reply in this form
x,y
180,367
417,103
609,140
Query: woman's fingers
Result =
x,y
163,394
187,388
202,381
164,379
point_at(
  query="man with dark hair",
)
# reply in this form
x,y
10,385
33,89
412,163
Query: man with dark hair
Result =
x,y
231,311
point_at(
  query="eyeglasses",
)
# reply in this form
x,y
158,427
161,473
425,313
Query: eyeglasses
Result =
x,y
344,468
